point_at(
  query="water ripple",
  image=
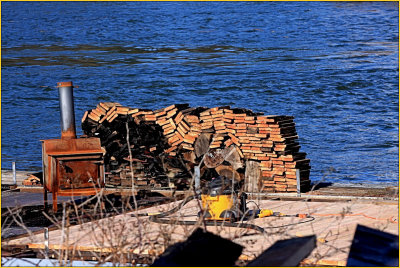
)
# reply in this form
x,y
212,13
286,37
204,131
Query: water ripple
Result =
x,y
333,65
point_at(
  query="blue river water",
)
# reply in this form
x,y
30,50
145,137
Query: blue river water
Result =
x,y
332,65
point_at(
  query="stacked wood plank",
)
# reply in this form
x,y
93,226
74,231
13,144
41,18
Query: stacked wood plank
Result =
x,y
167,143
146,145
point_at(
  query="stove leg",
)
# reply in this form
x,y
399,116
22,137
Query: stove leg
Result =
x,y
54,201
45,199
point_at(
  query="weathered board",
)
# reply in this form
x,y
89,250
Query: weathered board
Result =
x,y
252,176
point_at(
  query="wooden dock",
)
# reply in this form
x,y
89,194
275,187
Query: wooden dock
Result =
x,y
117,237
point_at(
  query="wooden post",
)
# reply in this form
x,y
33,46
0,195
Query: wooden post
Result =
x,y
197,179
252,176
45,199
298,182
14,171
46,241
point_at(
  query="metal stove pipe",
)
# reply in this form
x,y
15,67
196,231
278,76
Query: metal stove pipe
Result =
x,y
66,97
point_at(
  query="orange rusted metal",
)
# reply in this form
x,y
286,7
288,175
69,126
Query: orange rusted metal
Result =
x,y
65,84
69,133
71,167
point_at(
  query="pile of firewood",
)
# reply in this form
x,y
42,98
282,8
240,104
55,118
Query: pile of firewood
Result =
x,y
162,147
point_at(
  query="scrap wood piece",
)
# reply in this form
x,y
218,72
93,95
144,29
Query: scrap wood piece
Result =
x,y
232,156
228,172
32,180
134,160
285,253
93,249
322,262
85,116
371,247
202,249
213,158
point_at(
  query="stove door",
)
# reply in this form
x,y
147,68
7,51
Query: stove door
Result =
x,y
79,173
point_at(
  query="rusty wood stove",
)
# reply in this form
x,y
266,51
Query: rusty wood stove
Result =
x,y
71,166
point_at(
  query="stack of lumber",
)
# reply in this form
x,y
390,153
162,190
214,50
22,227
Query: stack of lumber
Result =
x,y
167,143
110,121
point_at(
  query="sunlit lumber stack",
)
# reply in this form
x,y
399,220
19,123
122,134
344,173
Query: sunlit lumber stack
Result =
x,y
166,144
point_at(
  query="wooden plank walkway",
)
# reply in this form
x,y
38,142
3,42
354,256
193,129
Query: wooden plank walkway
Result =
x,y
124,233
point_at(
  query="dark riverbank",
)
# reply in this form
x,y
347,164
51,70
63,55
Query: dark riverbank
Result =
x,y
323,189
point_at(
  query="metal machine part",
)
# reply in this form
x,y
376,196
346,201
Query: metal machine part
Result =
x,y
220,200
71,166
